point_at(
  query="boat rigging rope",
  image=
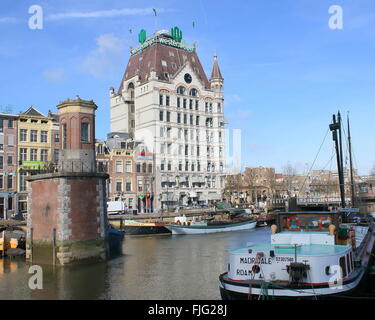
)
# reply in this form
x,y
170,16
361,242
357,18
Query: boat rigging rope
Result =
x,y
312,286
320,148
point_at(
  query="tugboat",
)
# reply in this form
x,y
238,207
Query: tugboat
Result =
x,y
312,255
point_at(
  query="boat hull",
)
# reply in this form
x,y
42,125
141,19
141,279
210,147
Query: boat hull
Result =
x,y
115,239
235,290
235,226
145,230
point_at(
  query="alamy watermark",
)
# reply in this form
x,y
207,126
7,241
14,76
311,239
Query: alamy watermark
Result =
x,y
36,280
36,20
335,281
336,20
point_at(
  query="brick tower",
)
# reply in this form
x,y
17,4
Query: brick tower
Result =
x,y
67,219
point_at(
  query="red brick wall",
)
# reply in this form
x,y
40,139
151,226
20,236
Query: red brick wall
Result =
x,y
73,137
44,208
84,209
84,213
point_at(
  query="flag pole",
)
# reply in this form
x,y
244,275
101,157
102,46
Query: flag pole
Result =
x,y
155,21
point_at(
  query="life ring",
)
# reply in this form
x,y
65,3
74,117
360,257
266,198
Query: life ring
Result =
x,y
298,220
320,222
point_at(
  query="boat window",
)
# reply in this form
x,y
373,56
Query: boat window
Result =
x,y
351,260
306,223
348,265
313,223
343,266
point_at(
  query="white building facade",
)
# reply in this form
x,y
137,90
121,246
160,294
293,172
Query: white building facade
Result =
x,y
166,100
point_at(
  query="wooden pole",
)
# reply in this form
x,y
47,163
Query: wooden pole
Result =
x,y
54,248
31,245
3,243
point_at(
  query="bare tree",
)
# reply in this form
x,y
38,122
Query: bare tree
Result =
x,y
290,173
233,183
249,178
271,180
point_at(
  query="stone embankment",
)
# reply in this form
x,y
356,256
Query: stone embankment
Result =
x,y
12,223
168,216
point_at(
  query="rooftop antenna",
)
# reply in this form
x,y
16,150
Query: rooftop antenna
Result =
x,y
131,41
155,20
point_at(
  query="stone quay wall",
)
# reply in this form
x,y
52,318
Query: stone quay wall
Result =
x,y
67,219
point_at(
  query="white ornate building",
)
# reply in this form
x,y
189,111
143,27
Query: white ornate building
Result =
x,y
166,100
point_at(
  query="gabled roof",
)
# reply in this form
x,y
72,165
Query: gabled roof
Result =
x,y
33,112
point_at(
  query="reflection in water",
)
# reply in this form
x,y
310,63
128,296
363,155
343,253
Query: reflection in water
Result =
x,y
153,267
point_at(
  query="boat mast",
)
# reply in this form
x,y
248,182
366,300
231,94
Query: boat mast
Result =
x,y
342,183
334,127
351,166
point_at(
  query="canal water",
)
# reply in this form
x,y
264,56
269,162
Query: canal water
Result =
x,y
178,267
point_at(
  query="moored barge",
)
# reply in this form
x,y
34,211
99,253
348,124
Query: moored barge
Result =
x,y
314,255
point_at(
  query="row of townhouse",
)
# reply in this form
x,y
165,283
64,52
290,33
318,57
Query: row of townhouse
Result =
x,y
28,140
131,170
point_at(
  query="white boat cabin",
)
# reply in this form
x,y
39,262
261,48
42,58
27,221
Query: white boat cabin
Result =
x,y
307,248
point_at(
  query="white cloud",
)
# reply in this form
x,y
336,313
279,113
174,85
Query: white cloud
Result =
x,y
8,20
55,75
104,13
233,97
106,58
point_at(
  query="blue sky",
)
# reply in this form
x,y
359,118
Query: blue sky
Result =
x,y
285,70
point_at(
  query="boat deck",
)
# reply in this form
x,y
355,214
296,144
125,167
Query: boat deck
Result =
x,y
302,250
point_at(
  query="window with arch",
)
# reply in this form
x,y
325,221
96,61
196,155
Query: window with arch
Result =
x,y
193,92
131,90
64,134
181,90
85,137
